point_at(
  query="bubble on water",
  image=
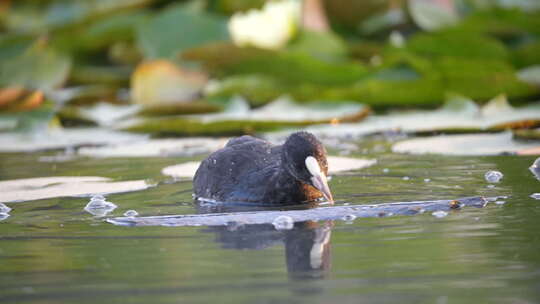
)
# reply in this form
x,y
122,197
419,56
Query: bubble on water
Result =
x,y
98,206
439,214
349,218
405,178
536,196
385,170
535,168
131,213
490,186
493,176
500,202
283,222
427,180
4,208
98,197
3,216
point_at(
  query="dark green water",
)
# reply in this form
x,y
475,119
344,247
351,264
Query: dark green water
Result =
x,y
52,251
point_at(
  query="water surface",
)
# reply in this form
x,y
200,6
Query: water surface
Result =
x,y
52,250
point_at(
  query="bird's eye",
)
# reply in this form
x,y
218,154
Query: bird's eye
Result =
x,y
313,166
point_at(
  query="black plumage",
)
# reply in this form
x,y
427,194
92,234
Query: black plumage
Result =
x,y
251,170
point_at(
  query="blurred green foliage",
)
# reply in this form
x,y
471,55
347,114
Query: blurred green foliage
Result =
x,y
53,44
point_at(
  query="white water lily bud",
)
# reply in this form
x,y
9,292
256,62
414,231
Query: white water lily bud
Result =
x,y
269,28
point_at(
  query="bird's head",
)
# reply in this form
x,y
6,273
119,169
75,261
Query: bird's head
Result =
x,y
304,157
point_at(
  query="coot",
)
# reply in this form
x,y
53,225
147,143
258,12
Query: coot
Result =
x,y
251,170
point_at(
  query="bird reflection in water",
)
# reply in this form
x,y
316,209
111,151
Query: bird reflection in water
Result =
x,y
307,244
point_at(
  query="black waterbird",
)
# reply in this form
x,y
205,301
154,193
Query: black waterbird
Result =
x,y
251,170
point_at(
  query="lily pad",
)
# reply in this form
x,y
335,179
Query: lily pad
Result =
x,y
336,164
39,67
177,28
156,148
432,15
62,138
238,118
103,114
470,144
530,75
159,83
20,190
459,114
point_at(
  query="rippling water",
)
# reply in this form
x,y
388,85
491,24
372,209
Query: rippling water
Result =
x,y
52,250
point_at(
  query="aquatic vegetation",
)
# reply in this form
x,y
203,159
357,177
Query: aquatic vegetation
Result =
x,y
19,190
470,144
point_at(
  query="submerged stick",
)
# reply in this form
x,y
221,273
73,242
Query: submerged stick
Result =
x,y
315,214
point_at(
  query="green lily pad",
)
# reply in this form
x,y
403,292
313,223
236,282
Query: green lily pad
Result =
x,y
39,67
238,118
20,190
291,67
336,165
178,28
31,18
470,144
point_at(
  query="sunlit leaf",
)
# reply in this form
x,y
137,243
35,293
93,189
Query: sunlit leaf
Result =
x,y
61,138
238,118
459,114
471,144
530,75
156,148
20,190
433,14
161,83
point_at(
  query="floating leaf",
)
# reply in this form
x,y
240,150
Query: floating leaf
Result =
x,y
39,67
530,75
156,148
433,14
20,190
336,164
104,114
471,144
324,45
178,28
457,43
459,114
62,138
57,14
291,67
238,118
161,83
